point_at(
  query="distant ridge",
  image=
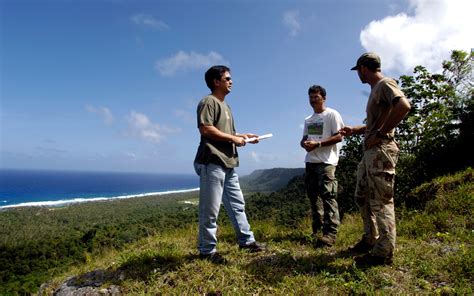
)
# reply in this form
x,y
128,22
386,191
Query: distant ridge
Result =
x,y
269,180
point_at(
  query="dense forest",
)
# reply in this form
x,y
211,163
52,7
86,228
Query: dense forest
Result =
x,y
39,243
434,138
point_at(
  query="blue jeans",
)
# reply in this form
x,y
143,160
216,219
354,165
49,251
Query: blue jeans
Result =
x,y
218,184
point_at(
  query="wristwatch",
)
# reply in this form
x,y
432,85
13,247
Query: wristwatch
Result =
x,y
319,144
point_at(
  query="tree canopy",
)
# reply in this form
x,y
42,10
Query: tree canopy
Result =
x,y
434,137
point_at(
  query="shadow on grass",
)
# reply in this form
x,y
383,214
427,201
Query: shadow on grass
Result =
x,y
297,237
138,268
144,266
275,267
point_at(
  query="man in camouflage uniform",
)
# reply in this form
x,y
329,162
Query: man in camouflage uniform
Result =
x,y
386,108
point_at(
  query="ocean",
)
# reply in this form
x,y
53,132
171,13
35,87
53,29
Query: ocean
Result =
x,y
54,188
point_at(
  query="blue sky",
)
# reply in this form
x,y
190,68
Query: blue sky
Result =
x,y
112,85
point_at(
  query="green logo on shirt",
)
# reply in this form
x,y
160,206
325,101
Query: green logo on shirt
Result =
x,y
315,128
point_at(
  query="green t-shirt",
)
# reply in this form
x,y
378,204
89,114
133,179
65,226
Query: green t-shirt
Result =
x,y
211,111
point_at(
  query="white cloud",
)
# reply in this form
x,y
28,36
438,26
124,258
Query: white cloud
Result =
x,y
149,21
255,156
265,157
140,126
183,61
292,22
131,155
103,112
184,115
425,37
48,150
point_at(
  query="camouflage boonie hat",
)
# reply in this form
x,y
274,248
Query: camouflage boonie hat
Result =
x,y
369,59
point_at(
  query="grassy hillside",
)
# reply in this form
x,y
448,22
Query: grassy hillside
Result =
x,y
269,180
433,255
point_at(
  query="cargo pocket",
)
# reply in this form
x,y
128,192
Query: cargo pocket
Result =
x,y
382,168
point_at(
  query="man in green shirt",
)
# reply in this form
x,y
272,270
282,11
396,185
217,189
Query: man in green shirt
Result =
x,y
215,161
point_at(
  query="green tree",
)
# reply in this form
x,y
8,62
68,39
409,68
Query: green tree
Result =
x,y
351,154
434,136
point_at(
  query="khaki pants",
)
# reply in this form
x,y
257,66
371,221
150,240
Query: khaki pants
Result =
x,y
374,196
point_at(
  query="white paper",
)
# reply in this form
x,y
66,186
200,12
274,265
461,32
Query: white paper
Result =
x,y
266,136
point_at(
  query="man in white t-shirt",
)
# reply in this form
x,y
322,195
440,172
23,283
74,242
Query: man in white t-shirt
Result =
x,y
320,138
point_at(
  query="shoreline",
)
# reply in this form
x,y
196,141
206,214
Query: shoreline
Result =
x,y
58,203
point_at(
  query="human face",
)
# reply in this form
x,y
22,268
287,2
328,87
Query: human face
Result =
x,y
225,83
362,72
316,100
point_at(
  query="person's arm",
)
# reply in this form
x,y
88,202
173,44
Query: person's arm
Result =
x,y
248,136
303,140
399,110
352,130
211,132
397,114
311,145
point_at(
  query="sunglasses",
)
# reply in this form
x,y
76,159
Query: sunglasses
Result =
x,y
228,78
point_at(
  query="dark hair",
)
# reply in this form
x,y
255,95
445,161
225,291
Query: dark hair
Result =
x,y
214,72
317,89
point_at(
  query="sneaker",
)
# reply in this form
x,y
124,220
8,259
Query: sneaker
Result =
x,y
361,247
325,241
253,247
372,260
215,258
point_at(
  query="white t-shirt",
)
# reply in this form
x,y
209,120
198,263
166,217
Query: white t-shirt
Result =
x,y
321,126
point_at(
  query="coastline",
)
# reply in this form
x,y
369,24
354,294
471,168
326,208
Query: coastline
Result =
x,y
64,202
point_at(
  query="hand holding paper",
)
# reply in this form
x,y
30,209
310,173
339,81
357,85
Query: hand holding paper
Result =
x,y
259,138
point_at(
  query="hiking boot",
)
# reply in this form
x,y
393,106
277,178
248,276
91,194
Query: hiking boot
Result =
x,y
361,247
372,260
215,258
325,241
253,247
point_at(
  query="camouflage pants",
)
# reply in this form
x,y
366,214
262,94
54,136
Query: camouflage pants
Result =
x,y
374,196
321,188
